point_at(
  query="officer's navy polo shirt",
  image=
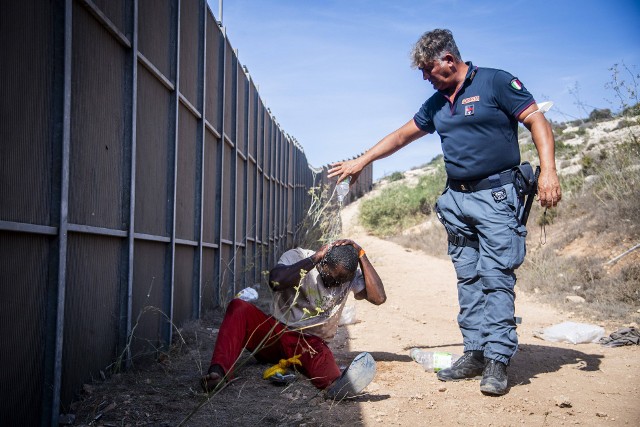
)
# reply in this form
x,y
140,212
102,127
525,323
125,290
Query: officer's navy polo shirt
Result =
x,y
479,132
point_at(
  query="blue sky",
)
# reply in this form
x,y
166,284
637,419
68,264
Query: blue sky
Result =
x,y
336,73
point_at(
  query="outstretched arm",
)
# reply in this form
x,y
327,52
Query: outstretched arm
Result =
x,y
385,147
374,289
287,276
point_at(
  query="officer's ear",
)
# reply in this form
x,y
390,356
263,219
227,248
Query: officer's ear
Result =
x,y
448,59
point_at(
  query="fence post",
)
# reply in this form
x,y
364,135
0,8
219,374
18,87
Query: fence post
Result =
x,y
127,299
196,301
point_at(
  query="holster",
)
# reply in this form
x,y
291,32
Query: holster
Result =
x,y
452,237
525,181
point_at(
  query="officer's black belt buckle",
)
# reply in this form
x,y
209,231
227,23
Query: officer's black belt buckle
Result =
x,y
505,177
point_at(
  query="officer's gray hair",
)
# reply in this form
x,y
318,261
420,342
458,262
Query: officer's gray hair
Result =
x,y
432,46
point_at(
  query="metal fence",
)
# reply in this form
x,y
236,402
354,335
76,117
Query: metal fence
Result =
x,y
139,168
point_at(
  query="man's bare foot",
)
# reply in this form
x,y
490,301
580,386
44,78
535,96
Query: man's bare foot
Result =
x,y
210,381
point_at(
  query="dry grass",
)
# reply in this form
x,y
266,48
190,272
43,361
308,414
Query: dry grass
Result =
x,y
431,239
164,391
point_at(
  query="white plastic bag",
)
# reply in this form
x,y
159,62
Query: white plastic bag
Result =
x,y
247,294
348,315
572,332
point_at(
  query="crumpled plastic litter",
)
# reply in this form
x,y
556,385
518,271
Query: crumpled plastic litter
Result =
x,y
623,336
348,315
572,332
281,379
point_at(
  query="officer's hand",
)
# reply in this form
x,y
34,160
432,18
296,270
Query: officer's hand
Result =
x,y
549,192
345,169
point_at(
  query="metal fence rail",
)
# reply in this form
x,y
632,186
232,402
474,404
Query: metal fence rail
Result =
x,y
142,181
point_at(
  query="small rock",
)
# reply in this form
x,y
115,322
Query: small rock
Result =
x,y
87,388
442,389
601,414
575,299
576,288
563,402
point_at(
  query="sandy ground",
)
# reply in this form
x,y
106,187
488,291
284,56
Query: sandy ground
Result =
x,y
550,383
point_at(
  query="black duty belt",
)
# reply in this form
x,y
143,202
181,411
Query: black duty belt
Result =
x,y
502,178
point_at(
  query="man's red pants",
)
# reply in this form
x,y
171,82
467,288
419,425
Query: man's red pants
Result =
x,y
246,326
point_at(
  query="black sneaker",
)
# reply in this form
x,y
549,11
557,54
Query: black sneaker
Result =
x,y
469,366
494,378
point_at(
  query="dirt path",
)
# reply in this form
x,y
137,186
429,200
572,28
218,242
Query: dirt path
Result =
x,y
551,383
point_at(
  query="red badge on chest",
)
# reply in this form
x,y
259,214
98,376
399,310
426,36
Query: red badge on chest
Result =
x,y
468,110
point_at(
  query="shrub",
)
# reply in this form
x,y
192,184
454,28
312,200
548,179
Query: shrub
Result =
x,y
600,114
437,160
396,176
588,164
558,127
571,184
631,111
390,211
563,149
401,206
432,240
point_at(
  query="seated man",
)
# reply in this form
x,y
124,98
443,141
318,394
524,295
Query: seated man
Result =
x,y
310,291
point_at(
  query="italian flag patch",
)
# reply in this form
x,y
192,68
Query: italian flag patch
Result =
x,y
515,83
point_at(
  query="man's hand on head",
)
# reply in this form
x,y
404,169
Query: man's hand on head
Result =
x,y
343,242
320,253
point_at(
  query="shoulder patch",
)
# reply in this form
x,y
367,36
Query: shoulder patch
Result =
x,y
515,83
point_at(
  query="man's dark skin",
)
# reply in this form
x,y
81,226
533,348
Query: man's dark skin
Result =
x,y
287,276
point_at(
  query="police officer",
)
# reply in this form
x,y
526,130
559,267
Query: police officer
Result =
x,y
476,111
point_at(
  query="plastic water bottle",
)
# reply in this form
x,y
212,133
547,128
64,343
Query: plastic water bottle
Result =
x,y
342,189
433,361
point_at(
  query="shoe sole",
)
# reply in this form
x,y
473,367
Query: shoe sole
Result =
x,y
489,390
477,377
355,378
